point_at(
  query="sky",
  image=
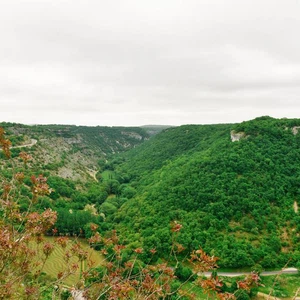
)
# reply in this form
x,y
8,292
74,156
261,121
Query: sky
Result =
x,y
138,62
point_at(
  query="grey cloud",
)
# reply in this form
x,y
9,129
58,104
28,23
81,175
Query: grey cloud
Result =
x,y
137,62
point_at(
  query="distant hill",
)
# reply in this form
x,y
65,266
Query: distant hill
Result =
x,y
72,151
155,129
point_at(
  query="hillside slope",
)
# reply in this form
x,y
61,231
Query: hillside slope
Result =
x,y
234,187
72,152
71,159
235,199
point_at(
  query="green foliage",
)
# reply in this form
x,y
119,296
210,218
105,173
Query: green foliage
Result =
x,y
184,273
108,208
242,295
210,186
97,193
73,222
61,187
169,144
283,286
65,295
233,198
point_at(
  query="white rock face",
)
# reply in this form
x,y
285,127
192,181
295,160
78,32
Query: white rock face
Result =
x,y
236,136
295,130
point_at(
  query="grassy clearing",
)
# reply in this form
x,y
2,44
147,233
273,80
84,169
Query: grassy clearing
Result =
x,y
108,175
190,287
283,286
55,262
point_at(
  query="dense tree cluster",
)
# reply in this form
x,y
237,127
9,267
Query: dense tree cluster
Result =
x,y
121,275
234,198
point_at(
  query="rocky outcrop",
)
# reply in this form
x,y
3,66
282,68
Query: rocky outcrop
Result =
x,y
133,135
236,136
295,130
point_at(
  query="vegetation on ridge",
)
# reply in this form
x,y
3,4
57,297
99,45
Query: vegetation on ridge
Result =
x,y
236,200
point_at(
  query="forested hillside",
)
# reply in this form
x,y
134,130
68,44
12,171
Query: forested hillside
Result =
x,y
238,200
235,188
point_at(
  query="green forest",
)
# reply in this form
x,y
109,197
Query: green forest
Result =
x,y
236,198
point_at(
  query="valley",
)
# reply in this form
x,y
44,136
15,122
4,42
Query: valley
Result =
x,y
234,188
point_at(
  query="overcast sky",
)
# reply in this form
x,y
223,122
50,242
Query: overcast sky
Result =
x,y
136,62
